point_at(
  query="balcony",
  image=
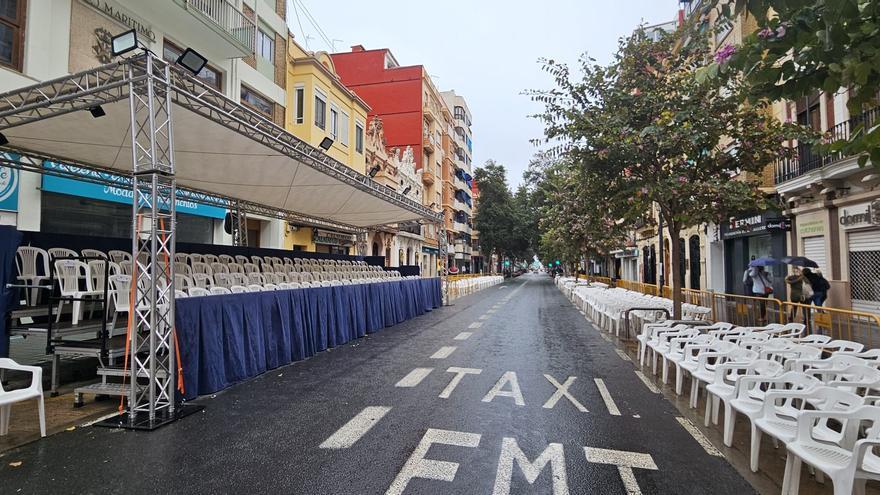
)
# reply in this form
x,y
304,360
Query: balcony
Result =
x,y
222,16
808,160
427,176
428,143
461,228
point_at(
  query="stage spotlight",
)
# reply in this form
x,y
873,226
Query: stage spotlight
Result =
x,y
97,111
123,43
407,190
191,61
326,143
374,171
3,140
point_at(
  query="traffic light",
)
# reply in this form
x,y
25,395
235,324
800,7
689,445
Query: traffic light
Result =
x,y
557,262
550,265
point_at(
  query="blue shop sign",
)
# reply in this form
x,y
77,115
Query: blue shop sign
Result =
x,y
9,178
121,193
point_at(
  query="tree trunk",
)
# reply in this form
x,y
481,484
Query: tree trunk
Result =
x,y
675,261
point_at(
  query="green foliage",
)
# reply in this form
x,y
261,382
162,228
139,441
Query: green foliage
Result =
x,y
504,220
645,131
806,46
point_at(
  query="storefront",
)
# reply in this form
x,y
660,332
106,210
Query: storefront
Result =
x,y
626,263
328,241
860,231
754,236
80,207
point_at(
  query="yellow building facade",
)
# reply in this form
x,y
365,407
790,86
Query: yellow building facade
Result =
x,y
319,107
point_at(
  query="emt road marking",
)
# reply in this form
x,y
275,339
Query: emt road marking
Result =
x,y
414,377
510,452
419,467
463,336
625,462
443,352
351,432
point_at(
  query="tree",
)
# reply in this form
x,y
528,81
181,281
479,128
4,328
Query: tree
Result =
x,y
494,219
644,130
805,46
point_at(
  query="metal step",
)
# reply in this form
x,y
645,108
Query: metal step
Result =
x,y
118,371
112,389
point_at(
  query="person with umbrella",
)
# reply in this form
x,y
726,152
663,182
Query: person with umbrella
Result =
x,y
762,281
814,286
796,293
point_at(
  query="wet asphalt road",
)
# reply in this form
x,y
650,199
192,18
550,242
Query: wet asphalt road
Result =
x,y
266,435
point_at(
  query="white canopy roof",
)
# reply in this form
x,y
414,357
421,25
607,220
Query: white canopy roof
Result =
x,y
234,158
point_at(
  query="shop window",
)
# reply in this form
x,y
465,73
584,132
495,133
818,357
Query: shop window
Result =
x,y
257,101
12,26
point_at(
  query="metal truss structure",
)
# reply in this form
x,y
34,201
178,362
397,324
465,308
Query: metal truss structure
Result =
x,y
153,87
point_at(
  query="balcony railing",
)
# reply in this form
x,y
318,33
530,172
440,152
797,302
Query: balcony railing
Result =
x,y
808,159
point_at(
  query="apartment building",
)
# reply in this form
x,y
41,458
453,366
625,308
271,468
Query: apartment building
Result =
x,y
244,42
459,207
323,112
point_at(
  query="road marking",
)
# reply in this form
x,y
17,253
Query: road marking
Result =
x,y
419,467
515,392
98,420
459,374
625,462
647,382
463,336
484,317
510,451
475,324
491,311
698,436
622,355
443,352
605,337
606,397
358,426
562,391
414,377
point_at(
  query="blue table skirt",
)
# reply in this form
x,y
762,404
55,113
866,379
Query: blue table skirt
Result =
x,y
227,339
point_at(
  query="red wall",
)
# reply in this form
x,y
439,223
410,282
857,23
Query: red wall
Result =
x,y
395,95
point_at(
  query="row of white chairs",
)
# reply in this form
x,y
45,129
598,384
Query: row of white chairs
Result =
x,y
810,392
218,290
464,286
609,307
206,281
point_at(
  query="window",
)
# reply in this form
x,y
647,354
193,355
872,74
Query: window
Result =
x,y
266,45
343,128
334,123
320,110
300,104
12,32
257,101
359,137
208,74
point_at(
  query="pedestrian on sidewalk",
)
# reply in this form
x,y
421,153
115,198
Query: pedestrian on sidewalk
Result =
x,y
747,280
799,291
818,284
762,286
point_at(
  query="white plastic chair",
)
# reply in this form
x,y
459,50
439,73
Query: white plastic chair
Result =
x,y
202,280
219,291
849,463
241,260
210,258
223,280
62,253
30,261
198,292
117,256
238,289
120,296
179,294
225,258
255,288
34,391
256,278
270,287
93,253
69,273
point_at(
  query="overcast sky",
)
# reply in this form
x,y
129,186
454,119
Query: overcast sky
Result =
x,y
487,50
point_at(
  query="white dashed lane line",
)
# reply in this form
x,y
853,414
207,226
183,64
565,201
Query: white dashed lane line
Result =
x,y
698,436
414,377
463,336
647,382
476,324
622,355
358,426
443,352
484,317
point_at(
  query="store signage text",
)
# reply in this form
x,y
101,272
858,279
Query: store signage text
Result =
x,y
117,13
782,224
332,238
860,215
811,227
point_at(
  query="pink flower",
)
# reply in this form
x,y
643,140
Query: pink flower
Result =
x,y
724,54
636,92
780,31
766,33
644,190
682,179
